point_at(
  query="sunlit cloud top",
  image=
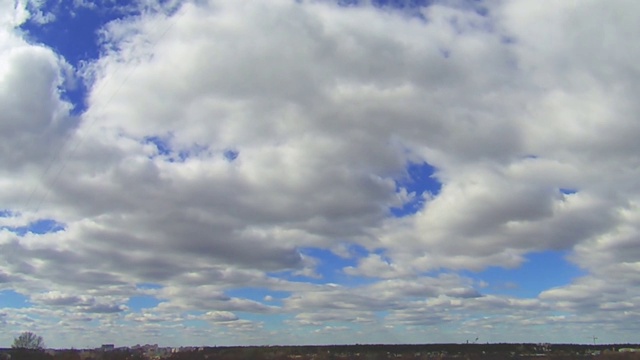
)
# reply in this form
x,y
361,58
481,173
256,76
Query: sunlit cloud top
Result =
x,y
319,172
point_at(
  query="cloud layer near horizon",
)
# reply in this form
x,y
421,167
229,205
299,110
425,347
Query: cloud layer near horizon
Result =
x,y
225,144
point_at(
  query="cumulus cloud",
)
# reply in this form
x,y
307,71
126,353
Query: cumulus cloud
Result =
x,y
35,118
57,298
220,140
220,316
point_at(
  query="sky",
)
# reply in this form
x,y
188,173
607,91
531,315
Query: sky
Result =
x,y
218,172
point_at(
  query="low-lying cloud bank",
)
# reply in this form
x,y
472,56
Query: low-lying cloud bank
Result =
x,y
224,145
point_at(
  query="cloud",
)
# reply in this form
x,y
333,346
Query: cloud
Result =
x,y
4,278
220,316
35,119
56,298
104,308
323,108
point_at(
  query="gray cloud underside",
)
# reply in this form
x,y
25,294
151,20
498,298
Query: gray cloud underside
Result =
x,y
325,107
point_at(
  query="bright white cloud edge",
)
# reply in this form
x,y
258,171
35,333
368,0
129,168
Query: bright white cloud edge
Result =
x,y
325,107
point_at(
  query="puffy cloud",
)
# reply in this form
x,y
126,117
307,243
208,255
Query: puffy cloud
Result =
x,y
57,298
222,139
35,120
220,316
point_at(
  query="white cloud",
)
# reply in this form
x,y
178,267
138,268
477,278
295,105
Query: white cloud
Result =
x,y
220,316
14,13
323,108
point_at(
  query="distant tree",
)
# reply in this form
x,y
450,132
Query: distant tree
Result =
x,y
28,341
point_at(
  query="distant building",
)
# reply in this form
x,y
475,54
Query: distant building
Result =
x,y
107,347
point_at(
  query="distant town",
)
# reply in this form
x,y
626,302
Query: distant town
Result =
x,y
369,352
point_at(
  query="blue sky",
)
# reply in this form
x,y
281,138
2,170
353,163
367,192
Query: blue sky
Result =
x,y
318,172
72,33
540,271
13,299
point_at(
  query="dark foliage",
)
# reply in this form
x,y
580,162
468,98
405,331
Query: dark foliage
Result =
x,y
368,352
29,354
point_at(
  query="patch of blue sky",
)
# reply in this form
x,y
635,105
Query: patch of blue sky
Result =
x,y
6,213
13,299
149,286
568,191
259,295
541,271
170,154
482,11
407,7
42,226
297,277
231,155
358,252
137,303
330,266
183,155
72,32
72,29
507,40
413,7
194,323
381,314
271,321
348,3
419,179
161,144
401,4
330,270
393,4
